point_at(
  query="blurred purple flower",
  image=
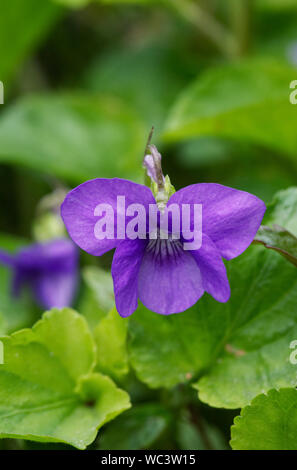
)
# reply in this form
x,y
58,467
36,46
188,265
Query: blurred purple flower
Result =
x,y
159,272
50,269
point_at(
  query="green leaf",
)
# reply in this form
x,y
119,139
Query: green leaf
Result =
x,y
2,328
213,155
276,4
283,210
15,313
136,429
88,306
262,324
269,423
74,3
276,33
121,72
23,24
83,3
98,298
111,340
59,398
239,349
279,239
131,1
100,282
246,101
78,136
164,351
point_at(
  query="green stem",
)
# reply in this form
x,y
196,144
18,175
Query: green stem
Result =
x,y
207,24
241,13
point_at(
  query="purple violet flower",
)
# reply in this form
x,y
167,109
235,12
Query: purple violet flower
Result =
x,y
160,272
50,269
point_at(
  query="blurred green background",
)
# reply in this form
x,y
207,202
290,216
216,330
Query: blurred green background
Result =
x,y
84,82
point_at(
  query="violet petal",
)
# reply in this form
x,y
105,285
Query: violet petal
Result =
x,y
125,268
78,209
169,278
230,217
213,271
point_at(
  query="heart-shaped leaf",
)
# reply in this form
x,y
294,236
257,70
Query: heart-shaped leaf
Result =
x,y
269,423
239,349
48,390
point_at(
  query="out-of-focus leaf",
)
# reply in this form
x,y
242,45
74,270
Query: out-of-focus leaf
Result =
x,y
100,282
73,3
98,298
276,4
279,239
60,398
203,151
82,3
149,78
76,137
239,348
189,437
283,210
88,306
232,163
271,4
136,429
2,325
269,423
111,340
245,101
276,35
23,24
16,313
132,1
109,329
